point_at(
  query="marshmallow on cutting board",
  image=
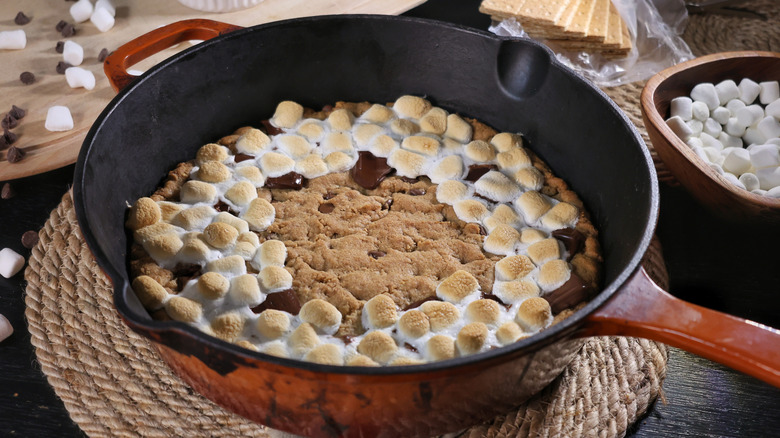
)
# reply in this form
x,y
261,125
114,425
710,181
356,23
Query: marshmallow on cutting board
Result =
x,y
13,40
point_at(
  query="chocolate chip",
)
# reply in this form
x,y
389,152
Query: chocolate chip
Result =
x,y
9,137
61,25
410,347
222,206
419,303
571,293
328,196
326,208
7,192
14,155
103,55
17,112
477,170
62,66
482,230
60,47
68,30
29,239
406,179
289,180
286,301
239,157
27,78
21,19
369,170
9,122
417,192
571,239
387,204
377,254
269,128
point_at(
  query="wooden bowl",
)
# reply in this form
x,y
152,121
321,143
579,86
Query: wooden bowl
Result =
x,y
704,183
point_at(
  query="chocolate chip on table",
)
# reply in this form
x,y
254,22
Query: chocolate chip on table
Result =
x,y
14,155
62,66
21,19
61,25
9,137
7,192
103,55
9,122
417,192
27,78
377,254
17,112
29,239
68,30
60,47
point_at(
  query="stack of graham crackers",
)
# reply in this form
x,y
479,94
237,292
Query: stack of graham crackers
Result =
x,y
577,25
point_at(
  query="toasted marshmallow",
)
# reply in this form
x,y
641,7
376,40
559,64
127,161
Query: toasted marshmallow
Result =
x,y
470,210
379,312
434,121
211,152
497,186
229,266
553,274
366,132
503,215
338,162
213,285
219,235
151,293
484,311
404,360
303,339
448,168
311,167
544,250
408,164
530,178
531,235
378,114
513,267
213,171
440,347
480,151
248,345
379,346
506,141
457,287
325,354
275,278
458,129
515,291
193,192
414,324
340,120
163,246
272,324
321,314
562,215
241,193
294,145
452,146
509,332
472,338
245,249
143,213
441,314
246,236
287,114
534,314
271,253
533,205
513,160
239,224
251,174
502,240
383,146
244,290
423,145
141,235
227,326
275,164
195,249
312,130
276,349
252,142
183,309
360,360
411,106
404,127
450,192
337,142
168,210
259,215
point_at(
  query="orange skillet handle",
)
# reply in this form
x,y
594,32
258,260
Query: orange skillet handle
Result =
x,y
158,40
642,309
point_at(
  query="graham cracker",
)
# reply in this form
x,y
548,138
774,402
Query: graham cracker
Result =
x,y
501,8
613,38
582,17
597,29
543,12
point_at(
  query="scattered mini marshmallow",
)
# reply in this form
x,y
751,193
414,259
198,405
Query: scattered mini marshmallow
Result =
x,y
748,91
58,118
72,53
108,6
78,77
13,40
706,93
81,11
770,92
10,262
6,329
102,19
681,106
726,90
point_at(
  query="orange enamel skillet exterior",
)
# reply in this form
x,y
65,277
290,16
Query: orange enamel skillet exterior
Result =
x,y
318,400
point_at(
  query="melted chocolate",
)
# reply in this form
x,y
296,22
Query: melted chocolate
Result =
x,y
387,204
572,239
417,192
477,170
239,157
326,208
406,179
222,206
328,196
417,304
571,293
370,170
410,347
286,301
185,272
290,180
270,129
482,230
496,299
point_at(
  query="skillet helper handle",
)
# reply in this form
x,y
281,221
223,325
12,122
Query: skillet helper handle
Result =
x,y
156,41
642,309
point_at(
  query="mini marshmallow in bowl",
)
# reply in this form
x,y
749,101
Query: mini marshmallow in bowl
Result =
x,y
736,129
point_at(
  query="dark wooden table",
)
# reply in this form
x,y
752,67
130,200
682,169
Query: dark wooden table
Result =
x,y
715,263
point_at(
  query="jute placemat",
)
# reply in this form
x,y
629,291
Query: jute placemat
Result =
x,y
113,383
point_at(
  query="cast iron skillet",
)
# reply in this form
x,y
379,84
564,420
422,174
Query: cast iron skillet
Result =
x,y
237,77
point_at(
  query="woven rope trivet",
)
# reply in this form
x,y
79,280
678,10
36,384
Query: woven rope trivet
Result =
x,y
113,383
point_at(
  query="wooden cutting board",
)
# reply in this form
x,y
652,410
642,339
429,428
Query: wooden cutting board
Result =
x,y
51,150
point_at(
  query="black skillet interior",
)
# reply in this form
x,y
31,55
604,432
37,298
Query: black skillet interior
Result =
x,y
237,79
